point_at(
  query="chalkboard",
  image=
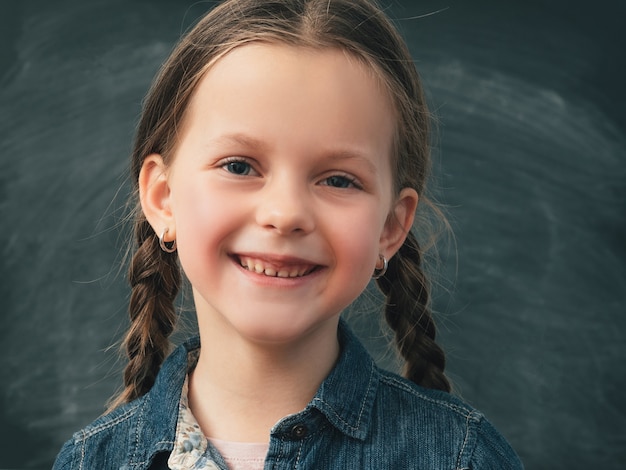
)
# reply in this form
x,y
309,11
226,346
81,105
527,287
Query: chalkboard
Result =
x,y
530,165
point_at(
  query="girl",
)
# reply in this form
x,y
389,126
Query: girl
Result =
x,y
279,161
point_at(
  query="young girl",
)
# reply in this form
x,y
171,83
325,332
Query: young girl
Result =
x,y
279,161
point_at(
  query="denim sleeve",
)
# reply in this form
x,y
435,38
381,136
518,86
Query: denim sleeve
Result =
x,y
66,458
492,451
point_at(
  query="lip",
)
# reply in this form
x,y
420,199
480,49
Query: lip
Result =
x,y
275,268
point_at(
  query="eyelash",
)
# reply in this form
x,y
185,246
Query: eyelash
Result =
x,y
351,180
233,160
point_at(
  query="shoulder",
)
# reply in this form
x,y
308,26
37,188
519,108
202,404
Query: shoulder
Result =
x,y
434,416
136,432
106,436
397,389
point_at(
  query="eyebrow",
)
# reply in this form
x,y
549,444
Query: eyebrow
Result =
x,y
343,155
240,139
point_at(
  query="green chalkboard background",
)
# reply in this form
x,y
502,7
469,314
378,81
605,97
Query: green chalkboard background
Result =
x,y
531,163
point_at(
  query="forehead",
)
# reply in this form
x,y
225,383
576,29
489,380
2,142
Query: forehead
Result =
x,y
317,85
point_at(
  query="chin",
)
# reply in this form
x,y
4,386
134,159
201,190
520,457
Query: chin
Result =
x,y
284,332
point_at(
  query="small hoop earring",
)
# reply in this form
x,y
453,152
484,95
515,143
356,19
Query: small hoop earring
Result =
x,y
163,245
380,272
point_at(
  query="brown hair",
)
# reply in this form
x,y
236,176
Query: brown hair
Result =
x,y
358,27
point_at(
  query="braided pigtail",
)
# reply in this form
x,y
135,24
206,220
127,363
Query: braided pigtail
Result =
x,y
155,280
407,313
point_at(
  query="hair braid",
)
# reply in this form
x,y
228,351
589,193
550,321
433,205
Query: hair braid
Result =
x,y
408,314
155,280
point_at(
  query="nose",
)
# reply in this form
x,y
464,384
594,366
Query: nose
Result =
x,y
284,206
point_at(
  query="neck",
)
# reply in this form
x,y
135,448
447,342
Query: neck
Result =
x,y
240,389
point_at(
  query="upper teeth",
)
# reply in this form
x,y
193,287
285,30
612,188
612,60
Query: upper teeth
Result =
x,y
261,268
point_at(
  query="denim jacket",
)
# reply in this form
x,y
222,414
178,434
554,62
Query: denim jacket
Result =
x,y
362,417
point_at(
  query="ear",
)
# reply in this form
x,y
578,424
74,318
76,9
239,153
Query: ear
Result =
x,y
154,195
399,222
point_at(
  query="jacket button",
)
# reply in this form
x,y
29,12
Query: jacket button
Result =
x,y
299,431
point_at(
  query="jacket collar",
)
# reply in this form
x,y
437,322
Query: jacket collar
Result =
x,y
158,414
346,397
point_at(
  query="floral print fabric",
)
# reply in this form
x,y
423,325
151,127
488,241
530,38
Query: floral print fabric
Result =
x,y
190,447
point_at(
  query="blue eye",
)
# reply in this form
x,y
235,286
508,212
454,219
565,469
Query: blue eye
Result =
x,y
341,182
238,167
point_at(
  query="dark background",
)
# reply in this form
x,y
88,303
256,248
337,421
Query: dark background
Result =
x,y
530,99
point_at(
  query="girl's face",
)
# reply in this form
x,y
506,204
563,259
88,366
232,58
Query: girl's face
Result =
x,y
280,191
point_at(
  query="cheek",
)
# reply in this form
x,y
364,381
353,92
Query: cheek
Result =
x,y
358,235
193,250
202,221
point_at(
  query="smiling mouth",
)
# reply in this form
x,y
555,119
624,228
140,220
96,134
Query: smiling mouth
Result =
x,y
275,270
